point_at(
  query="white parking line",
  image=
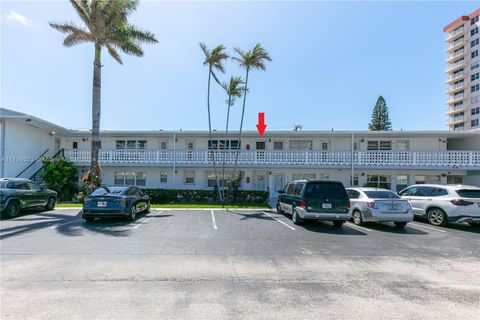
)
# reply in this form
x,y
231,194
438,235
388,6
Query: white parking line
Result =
x,y
279,220
353,225
426,227
213,220
144,221
306,251
63,224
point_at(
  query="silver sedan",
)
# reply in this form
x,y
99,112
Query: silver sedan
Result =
x,y
379,205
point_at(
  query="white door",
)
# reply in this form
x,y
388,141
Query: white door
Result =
x,y
261,182
277,184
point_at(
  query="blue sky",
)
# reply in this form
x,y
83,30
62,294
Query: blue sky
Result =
x,y
331,61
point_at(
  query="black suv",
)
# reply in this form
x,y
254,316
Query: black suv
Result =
x,y
315,199
17,194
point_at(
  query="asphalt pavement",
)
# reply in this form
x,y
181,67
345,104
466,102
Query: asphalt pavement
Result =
x,y
236,264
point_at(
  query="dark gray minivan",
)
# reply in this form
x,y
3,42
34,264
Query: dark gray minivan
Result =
x,y
316,200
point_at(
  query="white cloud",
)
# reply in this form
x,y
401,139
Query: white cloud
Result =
x,y
15,16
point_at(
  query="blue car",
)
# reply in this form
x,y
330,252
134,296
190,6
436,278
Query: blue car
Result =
x,y
114,202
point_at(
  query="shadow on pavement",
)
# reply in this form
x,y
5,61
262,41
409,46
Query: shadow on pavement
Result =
x,y
329,228
391,228
453,226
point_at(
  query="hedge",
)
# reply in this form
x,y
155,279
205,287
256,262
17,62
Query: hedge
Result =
x,y
159,196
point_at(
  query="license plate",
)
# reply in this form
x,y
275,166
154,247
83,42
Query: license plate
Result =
x,y
326,205
101,203
393,207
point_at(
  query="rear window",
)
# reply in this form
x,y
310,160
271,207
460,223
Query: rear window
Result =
x,y
381,195
102,191
325,191
469,193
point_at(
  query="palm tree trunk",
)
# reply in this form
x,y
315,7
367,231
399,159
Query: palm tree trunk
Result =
x,y
241,123
224,149
210,134
96,100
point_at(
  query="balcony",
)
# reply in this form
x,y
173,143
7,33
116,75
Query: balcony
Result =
x,y
453,66
455,97
286,159
455,87
452,120
456,44
456,108
455,76
455,55
453,34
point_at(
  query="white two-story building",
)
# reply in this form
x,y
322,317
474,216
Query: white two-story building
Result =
x,y
184,159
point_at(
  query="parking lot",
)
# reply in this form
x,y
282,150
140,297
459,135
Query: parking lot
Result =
x,y
172,264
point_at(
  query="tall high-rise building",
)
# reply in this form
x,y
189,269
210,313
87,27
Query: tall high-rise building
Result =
x,y
463,72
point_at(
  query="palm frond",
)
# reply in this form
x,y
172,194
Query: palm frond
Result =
x,y
114,53
65,27
131,48
82,9
77,37
140,35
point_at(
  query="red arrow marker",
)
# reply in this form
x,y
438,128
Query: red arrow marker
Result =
x,y
261,126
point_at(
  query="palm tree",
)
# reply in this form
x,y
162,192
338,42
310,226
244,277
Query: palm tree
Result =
x,y
214,60
251,59
107,26
234,89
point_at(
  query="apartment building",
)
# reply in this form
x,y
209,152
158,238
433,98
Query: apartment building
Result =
x,y
463,72
184,159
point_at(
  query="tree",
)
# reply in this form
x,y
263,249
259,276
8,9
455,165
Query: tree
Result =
x,y
107,27
234,90
251,59
214,60
60,175
380,119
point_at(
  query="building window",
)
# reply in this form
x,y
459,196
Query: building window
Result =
x,y
163,145
301,144
163,177
379,145
260,145
278,145
475,87
475,111
189,177
475,76
474,65
378,181
142,144
474,31
120,144
402,182
75,145
474,54
129,178
403,145
212,182
324,146
355,180
130,144
427,179
223,144
475,99
474,43
303,176
474,122
474,20
459,126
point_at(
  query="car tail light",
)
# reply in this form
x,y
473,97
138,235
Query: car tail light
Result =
x,y
372,205
119,202
461,202
303,204
349,205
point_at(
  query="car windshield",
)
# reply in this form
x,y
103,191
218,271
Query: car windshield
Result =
x,y
381,195
112,190
469,193
3,184
325,190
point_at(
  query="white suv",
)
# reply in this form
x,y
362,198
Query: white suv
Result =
x,y
441,204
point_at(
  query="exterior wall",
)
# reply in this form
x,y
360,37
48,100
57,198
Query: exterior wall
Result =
x,y
24,143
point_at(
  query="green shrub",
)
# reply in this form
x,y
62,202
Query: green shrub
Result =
x,y
159,196
60,175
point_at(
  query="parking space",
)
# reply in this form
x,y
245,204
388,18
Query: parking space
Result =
x,y
234,264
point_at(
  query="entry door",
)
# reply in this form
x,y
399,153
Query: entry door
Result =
x,y
261,181
277,184
190,145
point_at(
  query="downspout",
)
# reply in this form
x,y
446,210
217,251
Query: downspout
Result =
x,y
353,168
174,160
2,149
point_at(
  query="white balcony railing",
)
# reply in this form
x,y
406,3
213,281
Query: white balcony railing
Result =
x,y
452,66
271,157
455,86
456,75
456,32
456,108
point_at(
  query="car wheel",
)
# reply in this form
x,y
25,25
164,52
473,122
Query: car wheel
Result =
x,y
437,217
338,223
148,208
279,209
296,218
400,224
12,209
357,218
133,214
50,204
474,224
89,219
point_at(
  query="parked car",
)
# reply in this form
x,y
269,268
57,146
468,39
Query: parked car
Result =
x,y
19,193
379,205
441,204
316,200
111,202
